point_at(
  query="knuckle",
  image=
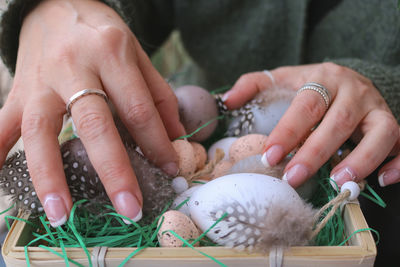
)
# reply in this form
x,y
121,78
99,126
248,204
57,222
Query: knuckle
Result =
x,y
92,124
170,98
247,77
33,124
318,152
289,133
313,109
111,172
139,114
390,125
40,171
363,88
333,69
344,118
65,54
113,39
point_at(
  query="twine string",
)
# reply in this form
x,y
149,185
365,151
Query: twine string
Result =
x,y
334,204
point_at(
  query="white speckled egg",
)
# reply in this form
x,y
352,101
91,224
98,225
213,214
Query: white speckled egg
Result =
x,y
224,144
179,223
182,200
197,107
247,145
187,161
260,212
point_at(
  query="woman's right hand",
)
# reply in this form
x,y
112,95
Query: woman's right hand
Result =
x,y
67,46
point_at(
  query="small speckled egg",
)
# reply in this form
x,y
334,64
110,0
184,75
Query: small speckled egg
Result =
x,y
224,144
222,168
187,161
197,107
200,155
178,222
248,145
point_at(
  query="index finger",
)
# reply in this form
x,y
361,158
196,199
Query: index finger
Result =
x,y
130,94
246,87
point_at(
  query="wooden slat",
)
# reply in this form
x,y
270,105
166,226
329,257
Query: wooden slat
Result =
x,y
362,250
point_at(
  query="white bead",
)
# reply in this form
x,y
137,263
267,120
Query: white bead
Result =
x,y
179,184
353,188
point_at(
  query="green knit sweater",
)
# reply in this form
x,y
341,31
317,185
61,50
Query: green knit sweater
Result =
x,y
227,38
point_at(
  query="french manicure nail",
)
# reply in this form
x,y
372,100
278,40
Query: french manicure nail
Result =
x,y
225,96
55,209
296,174
171,168
389,177
127,205
343,175
272,156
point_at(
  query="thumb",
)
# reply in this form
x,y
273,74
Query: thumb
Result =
x,y
246,87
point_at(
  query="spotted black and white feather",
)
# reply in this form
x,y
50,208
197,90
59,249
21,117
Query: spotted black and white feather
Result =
x,y
256,227
261,114
16,182
83,181
222,108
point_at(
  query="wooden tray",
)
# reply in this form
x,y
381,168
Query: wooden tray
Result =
x,y
360,250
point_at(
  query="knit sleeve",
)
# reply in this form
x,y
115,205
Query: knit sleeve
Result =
x,y
151,21
385,78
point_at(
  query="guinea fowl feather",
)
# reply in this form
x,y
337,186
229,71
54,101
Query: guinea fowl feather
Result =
x,y
83,181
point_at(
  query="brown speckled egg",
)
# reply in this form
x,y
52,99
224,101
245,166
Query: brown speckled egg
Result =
x,y
222,168
197,107
179,223
200,154
187,161
248,145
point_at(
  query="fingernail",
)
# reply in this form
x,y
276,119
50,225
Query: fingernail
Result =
x,y
127,204
343,175
170,168
55,209
296,174
389,177
226,96
272,156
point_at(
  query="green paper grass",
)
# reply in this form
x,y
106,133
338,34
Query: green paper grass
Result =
x,y
85,229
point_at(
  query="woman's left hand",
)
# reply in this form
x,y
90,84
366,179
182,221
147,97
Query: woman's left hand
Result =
x,y
357,110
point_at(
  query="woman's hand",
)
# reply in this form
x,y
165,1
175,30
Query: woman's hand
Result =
x,y
357,110
68,46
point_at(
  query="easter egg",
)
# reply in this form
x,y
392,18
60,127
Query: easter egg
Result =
x,y
180,203
200,155
248,145
179,223
253,211
196,108
186,158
